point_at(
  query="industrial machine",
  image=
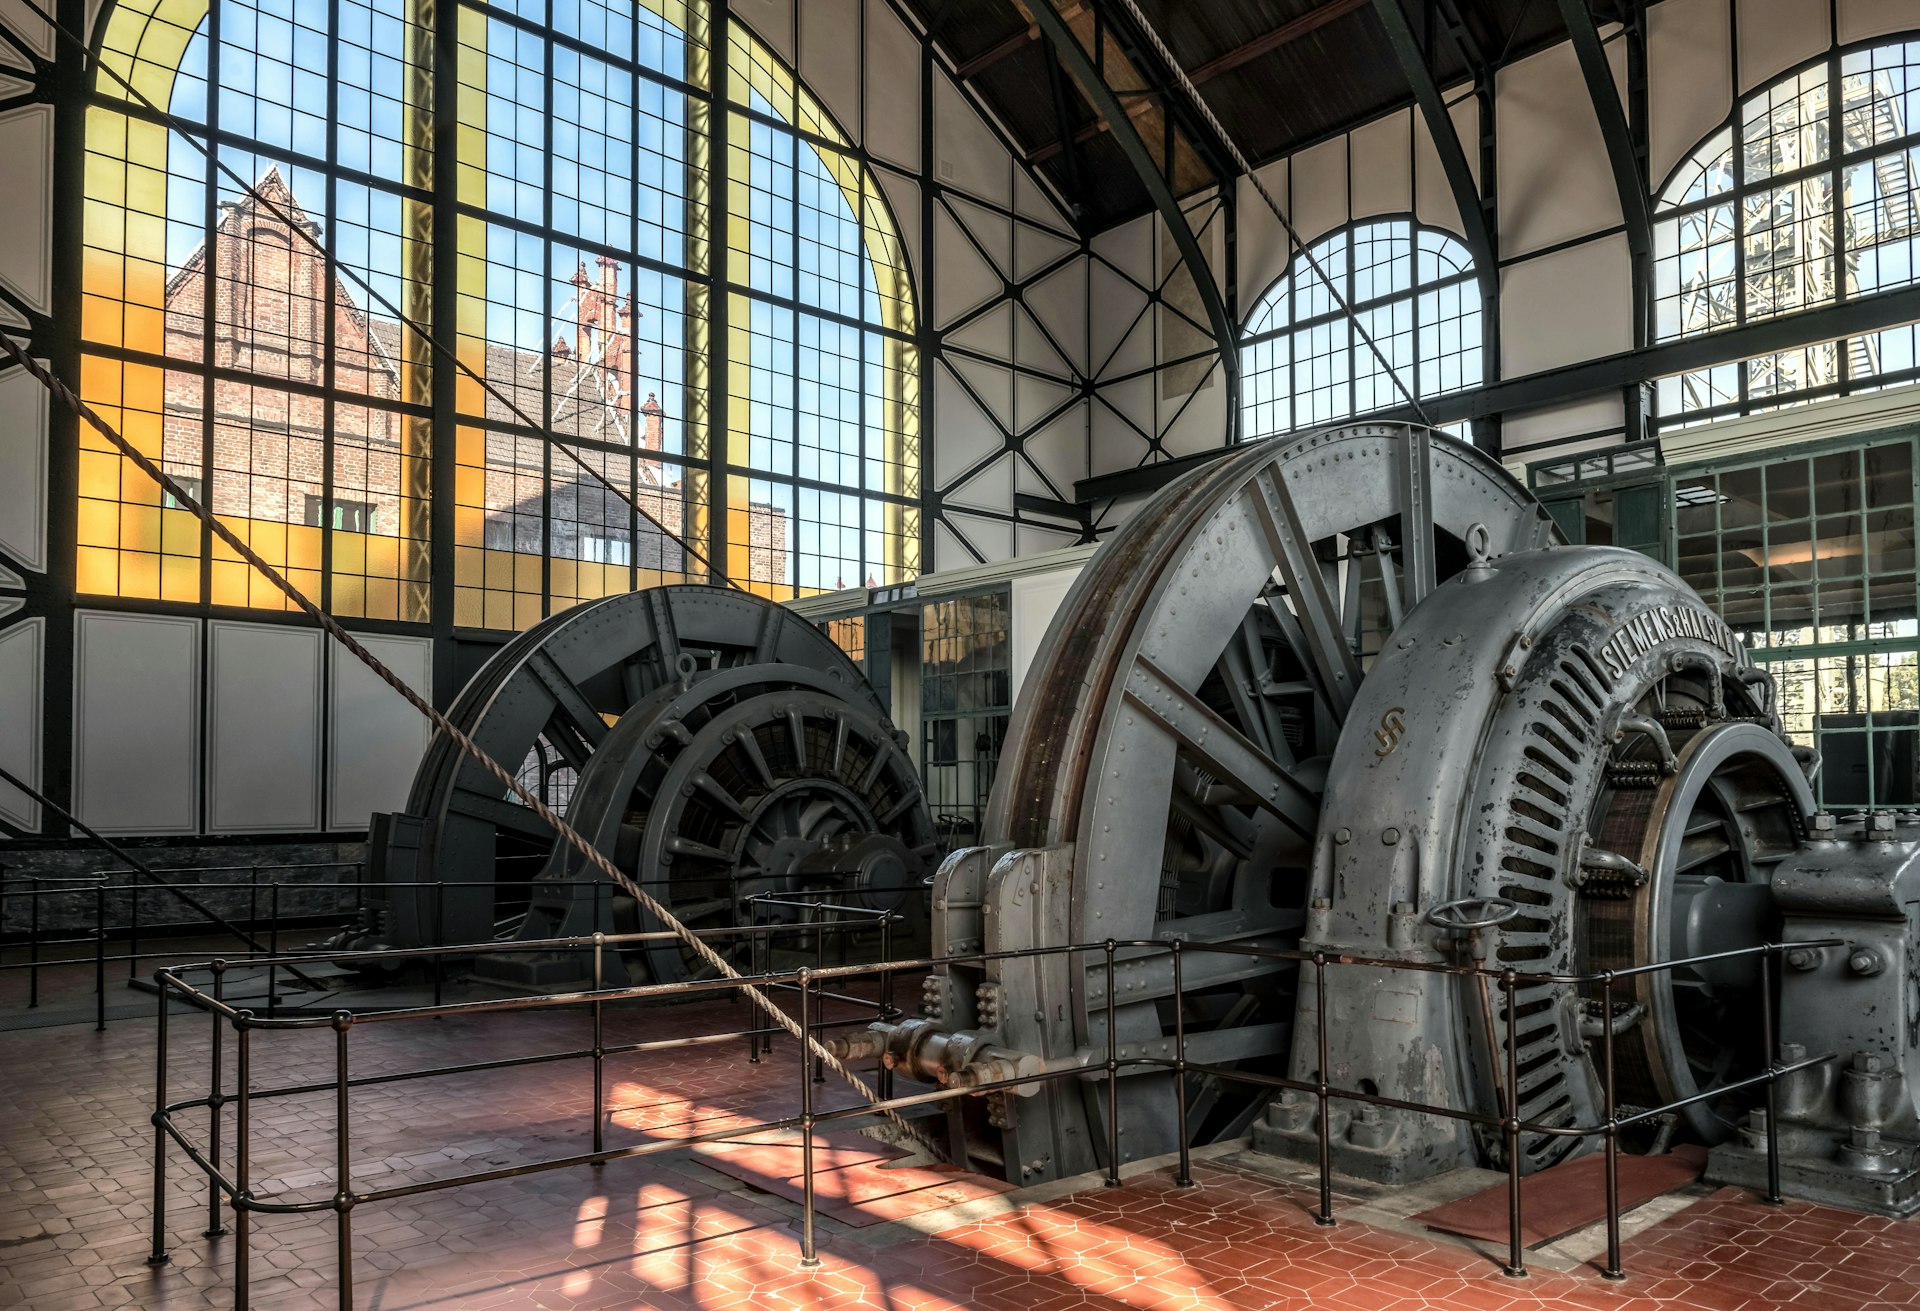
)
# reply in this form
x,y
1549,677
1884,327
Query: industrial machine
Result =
x,y
1345,692
714,745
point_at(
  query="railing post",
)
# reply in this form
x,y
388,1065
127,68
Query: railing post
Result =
x,y
242,1184
1613,1270
215,1102
133,930
809,1256
439,939
33,943
1516,1249
343,1161
1773,1197
819,962
754,951
1325,1216
273,945
1184,1177
599,1046
157,1255
253,900
1113,1079
885,1078
100,956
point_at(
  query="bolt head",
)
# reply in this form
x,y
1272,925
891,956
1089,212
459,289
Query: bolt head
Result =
x,y
1867,1062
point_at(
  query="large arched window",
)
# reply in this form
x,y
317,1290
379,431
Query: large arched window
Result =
x,y
1411,288
1806,197
645,352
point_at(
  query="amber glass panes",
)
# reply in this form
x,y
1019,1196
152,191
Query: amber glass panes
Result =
x,y
823,399
294,402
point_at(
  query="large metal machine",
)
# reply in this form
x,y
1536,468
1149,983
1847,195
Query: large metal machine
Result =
x,y
1346,692
714,745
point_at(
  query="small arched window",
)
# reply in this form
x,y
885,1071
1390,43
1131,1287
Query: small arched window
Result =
x,y
1806,197
1412,290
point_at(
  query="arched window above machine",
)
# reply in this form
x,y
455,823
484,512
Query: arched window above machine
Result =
x,y
557,211
1413,291
1805,197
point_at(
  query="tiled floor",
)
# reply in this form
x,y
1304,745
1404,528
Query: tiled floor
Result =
x,y
669,1232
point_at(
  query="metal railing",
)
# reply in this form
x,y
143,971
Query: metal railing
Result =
x,y
810,984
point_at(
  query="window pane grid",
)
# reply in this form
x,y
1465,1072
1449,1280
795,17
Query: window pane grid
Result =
x,y
1414,293
1750,233
579,186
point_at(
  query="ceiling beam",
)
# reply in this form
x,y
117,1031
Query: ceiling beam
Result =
x,y
1597,71
987,58
1285,34
1412,56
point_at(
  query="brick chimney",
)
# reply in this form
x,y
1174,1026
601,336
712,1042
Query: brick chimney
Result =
x,y
650,438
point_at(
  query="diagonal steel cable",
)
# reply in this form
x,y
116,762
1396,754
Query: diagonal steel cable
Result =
x,y
1240,160
468,747
186,130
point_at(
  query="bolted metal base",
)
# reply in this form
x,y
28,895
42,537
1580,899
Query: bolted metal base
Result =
x,y
1822,1175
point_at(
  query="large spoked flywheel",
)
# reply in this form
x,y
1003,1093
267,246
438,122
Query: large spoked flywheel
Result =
x,y
593,705
1174,733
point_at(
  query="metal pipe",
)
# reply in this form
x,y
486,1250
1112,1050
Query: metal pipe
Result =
x,y
1773,1079
343,1162
1183,1177
133,932
273,947
99,957
1325,1215
1516,1250
242,1217
809,1256
884,1081
599,1047
216,1098
1613,1270
1113,1080
157,1254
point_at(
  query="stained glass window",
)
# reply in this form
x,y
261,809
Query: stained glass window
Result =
x,y
596,255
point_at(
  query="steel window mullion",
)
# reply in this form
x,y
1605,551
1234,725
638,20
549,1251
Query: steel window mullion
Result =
x,y
209,335
328,374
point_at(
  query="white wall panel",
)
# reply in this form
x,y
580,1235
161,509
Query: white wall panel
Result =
x,y
1320,189
1572,304
1862,19
771,20
1596,414
1383,166
893,88
26,203
22,681
966,152
1036,600
1262,246
263,728
1689,79
1775,35
903,193
830,57
23,469
1433,202
374,739
136,722
22,21
1555,183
